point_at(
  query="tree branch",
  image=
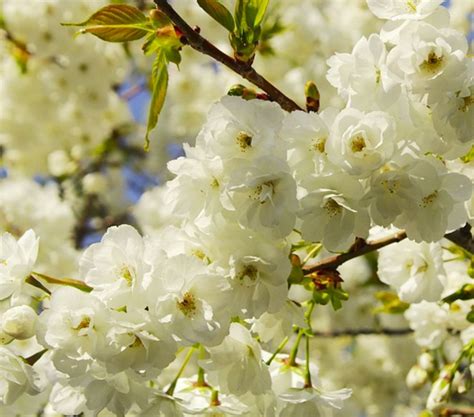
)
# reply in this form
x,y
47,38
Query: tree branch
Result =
x,y
457,411
334,261
199,43
462,237
360,332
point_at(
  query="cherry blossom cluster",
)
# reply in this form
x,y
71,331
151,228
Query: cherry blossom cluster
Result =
x,y
211,311
56,95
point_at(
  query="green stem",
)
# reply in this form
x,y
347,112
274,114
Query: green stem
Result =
x,y
186,360
307,373
215,398
308,315
294,349
278,350
201,380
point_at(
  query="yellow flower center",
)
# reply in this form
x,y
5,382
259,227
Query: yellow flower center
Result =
x,y
432,63
319,144
429,199
332,208
357,144
244,140
187,305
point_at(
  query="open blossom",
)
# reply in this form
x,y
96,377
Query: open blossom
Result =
x,y
306,135
361,77
360,143
429,60
237,128
453,114
236,365
179,321
17,259
192,298
75,323
195,193
255,268
429,321
115,267
332,213
437,205
403,9
415,270
16,377
262,195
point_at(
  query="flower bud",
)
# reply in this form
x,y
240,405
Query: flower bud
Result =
x,y
59,163
426,361
19,322
439,393
416,377
462,381
94,183
312,96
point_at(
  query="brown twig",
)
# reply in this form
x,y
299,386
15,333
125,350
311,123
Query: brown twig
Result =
x,y
200,44
462,237
334,261
457,411
361,332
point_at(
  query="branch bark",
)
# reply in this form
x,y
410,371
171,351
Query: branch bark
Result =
x,y
334,261
461,237
457,411
200,44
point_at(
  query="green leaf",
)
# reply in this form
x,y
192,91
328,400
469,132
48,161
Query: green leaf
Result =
x,y
321,297
256,11
337,295
116,23
159,87
239,16
164,39
248,16
218,12
296,275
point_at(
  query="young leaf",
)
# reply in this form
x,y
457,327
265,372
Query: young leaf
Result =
x,y
218,12
116,23
159,87
248,16
256,11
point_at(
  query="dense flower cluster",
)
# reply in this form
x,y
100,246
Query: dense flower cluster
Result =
x,y
56,95
208,312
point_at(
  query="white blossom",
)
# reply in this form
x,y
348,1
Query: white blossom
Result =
x,y
236,365
415,270
360,143
403,9
17,260
17,377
